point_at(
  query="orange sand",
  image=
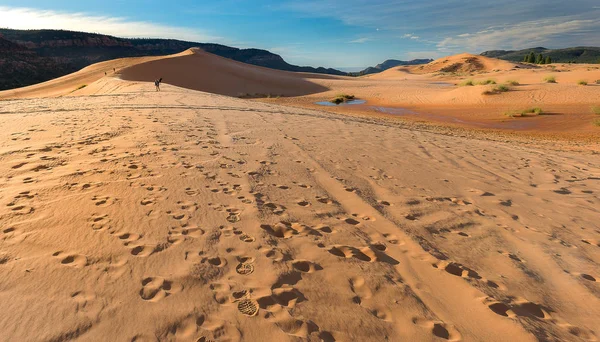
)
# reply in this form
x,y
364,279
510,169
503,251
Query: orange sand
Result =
x,y
128,214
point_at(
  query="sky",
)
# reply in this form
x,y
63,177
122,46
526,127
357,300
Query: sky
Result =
x,y
345,34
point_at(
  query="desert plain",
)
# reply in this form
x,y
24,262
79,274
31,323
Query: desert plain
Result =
x,y
230,207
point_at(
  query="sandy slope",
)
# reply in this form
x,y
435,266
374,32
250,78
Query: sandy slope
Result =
x,y
72,84
133,215
204,71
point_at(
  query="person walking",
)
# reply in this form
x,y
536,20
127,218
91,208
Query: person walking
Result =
x,y
157,84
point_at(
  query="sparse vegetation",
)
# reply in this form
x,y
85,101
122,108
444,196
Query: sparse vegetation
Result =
x,y
501,88
486,82
534,110
342,98
582,82
466,83
80,87
512,83
596,110
597,81
597,122
550,79
527,112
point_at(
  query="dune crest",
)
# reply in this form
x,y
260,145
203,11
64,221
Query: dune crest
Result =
x,y
199,70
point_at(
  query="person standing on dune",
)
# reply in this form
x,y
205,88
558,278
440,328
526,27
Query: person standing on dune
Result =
x,y
157,84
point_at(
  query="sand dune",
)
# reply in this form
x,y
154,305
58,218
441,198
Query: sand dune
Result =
x,y
203,71
73,83
136,215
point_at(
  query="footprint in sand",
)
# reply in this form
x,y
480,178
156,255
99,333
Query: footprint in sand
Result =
x,y
233,215
324,200
520,307
439,329
512,256
127,238
19,165
141,250
99,222
360,289
247,238
274,208
273,254
103,201
179,216
368,254
457,269
72,260
157,288
303,203
178,235
217,330
283,230
20,209
306,266
148,201
12,235
244,268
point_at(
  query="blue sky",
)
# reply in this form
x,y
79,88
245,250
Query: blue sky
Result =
x,y
331,33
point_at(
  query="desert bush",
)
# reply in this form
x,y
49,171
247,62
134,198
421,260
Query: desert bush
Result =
x,y
534,110
596,110
582,82
550,79
597,81
466,83
523,113
597,122
341,98
512,83
486,82
501,88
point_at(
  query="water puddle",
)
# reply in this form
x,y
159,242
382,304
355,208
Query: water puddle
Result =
x,y
347,103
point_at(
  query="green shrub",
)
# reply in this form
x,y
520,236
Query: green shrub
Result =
x,y
512,83
501,88
534,110
597,122
596,110
466,83
341,98
582,82
486,82
550,79
597,81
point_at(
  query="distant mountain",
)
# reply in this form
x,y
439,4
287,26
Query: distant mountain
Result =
x,y
20,66
582,54
390,63
47,54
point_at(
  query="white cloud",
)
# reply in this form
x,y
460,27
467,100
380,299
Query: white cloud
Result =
x,y
522,35
29,18
360,40
410,36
